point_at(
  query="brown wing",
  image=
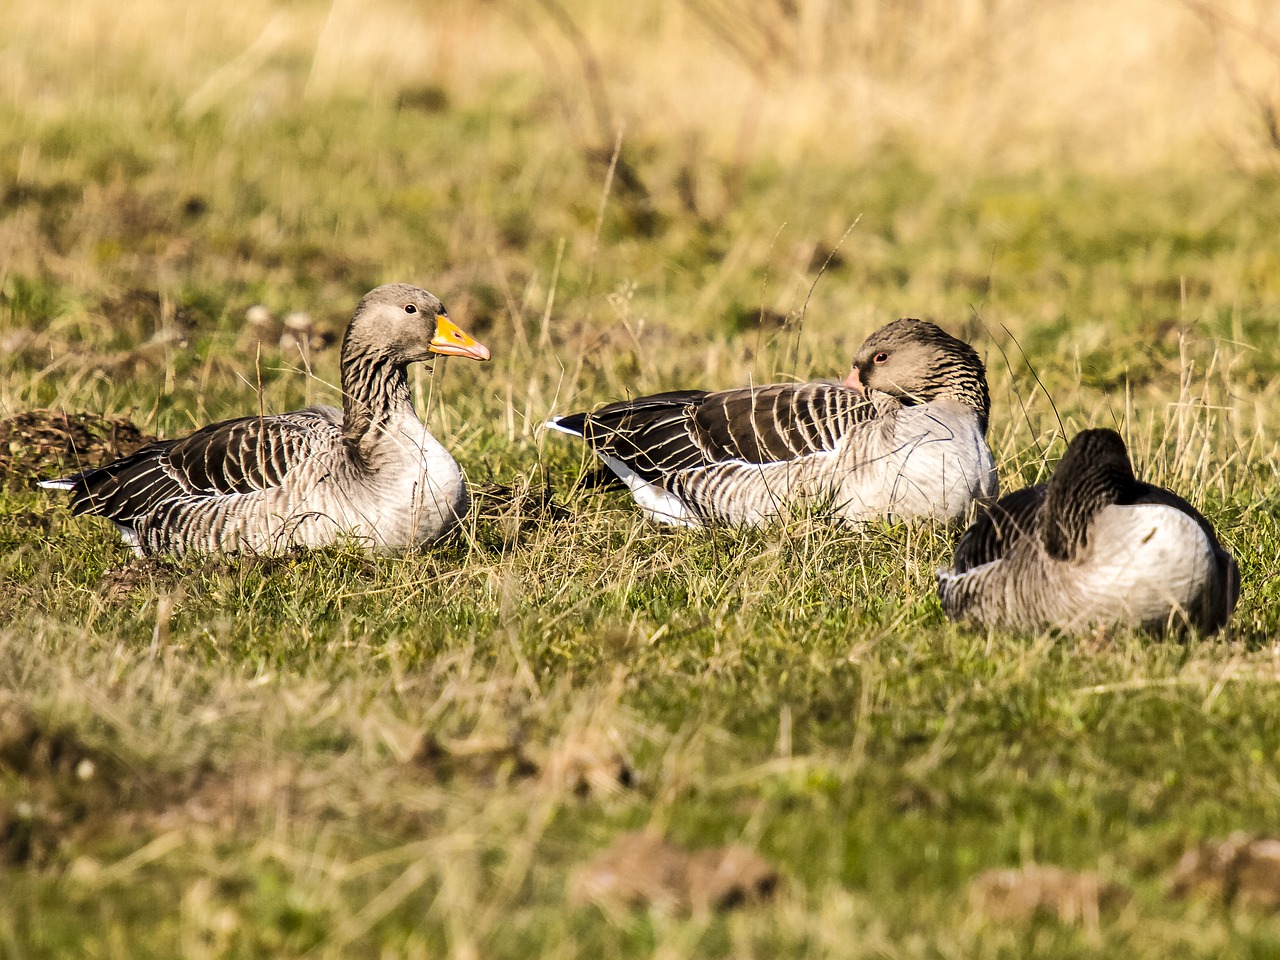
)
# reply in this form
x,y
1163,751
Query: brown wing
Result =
x,y
234,456
666,433
778,422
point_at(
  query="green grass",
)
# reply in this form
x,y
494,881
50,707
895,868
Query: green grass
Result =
x,y
255,785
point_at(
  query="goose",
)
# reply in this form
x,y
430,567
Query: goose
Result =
x,y
264,484
1095,546
903,436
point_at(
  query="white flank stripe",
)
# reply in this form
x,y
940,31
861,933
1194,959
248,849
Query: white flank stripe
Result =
x,y
653,500
554,424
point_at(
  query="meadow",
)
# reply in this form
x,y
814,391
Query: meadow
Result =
x,y
330,754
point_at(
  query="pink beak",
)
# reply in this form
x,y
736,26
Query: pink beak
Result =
x,y
853,381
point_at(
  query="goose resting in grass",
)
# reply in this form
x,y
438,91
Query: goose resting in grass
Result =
x,y
264,484
903,436
1094,546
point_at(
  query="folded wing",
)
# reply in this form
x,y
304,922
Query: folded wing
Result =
x,y
994,531
232,457
662,435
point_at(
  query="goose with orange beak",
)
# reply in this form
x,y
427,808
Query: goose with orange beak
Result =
x,y
370,473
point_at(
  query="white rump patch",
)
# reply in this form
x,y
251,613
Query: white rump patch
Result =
x,y
657,503
129,536
555,424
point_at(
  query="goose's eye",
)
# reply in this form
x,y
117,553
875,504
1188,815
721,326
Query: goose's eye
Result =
x,y
881,357
410,308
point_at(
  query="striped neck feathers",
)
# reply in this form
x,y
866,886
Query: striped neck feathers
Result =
x,y
916,362
962,377
375,387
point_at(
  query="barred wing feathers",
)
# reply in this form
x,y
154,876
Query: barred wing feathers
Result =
x,y
665,434
239,456
779,422
651,435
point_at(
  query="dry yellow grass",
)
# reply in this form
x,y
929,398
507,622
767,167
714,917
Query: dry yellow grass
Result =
x,y
1011,82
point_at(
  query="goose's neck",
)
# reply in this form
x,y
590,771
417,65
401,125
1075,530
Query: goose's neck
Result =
x,y
968,385
374,389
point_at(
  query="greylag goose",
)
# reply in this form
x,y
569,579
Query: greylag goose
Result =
x,y
903,436
263,484
1094,546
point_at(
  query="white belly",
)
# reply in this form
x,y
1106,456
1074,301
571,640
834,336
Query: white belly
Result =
x,y
411,493
1145,563
415,494
934,463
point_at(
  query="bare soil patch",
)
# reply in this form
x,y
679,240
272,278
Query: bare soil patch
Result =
x,y
642,870
42,444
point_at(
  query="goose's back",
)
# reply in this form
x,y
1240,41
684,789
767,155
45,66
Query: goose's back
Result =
x,y
1146,565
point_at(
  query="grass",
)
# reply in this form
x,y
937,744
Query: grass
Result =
x,y
331,754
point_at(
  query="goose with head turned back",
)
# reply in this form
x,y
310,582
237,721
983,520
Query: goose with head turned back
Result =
x,y
1094,546
903,436
263,484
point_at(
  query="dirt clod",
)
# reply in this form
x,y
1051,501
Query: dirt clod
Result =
x,y
487,758
1241,869
642,869
41,444
31,748
150,311
922,797
28,833
588,769
119,582
1043,890
722,878
65,786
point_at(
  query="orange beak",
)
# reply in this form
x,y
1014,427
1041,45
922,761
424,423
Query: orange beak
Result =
x,y
853,381
451,341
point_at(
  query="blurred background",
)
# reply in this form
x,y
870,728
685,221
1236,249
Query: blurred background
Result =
x,y
578,175
1010,82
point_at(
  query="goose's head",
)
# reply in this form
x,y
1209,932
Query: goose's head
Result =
x,y
916,362
406,324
